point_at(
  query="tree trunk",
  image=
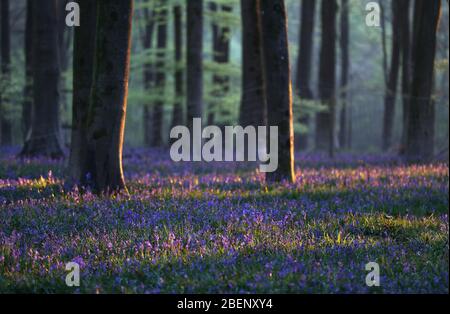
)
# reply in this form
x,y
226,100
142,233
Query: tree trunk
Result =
x,y
278,84
44,138
177,117
149,75
81,165
106,120
253,110
343,132
420,140
221,55
304,63
160,79
391,87
27,104
194,60
405,43
5,120
325,120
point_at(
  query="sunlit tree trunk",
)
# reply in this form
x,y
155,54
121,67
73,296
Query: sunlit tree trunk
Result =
x,y
420,140
253,110
278,85
44,139
108,104
81,160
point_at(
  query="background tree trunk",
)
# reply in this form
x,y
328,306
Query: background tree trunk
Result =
x,y
420,141
45,133
6,137
27,104
391,87
278,85
194,60
108,105
253,110
304,63
343,132
177,117
405,44
160,78
149,75
327,81
81,161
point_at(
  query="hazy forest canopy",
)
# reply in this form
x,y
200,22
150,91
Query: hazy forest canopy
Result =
x,y
359,99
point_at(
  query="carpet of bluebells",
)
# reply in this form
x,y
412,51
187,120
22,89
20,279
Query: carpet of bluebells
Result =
x,y
220,228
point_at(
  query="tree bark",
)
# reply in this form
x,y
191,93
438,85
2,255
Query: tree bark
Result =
x,y
106,120
278,85
304,63
177,117
81,165
391,87
343,132
194,60
405,43
420,141
253,110
5,121
160,79
44,138
27,104
327,82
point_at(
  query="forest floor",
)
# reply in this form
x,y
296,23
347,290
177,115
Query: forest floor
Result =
x,y
219,228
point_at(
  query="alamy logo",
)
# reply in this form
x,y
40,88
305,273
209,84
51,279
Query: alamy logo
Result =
x,y
373,17
373,277
73,17
73,277
207,144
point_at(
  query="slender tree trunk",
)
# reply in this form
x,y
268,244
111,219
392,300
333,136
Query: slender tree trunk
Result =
x,y
5,120
405,43
253,110
44,138
160,79
177,117
106,120
304,63
343,132
391,87
325,120
383,42
27,104
278,84
81,161
194,60
420,141
149,75
221,55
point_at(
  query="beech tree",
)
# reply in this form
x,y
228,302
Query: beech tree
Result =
x,y
345,60
278,87
28,88
253,110
108,102
420,137
44,138
177,116
81,160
